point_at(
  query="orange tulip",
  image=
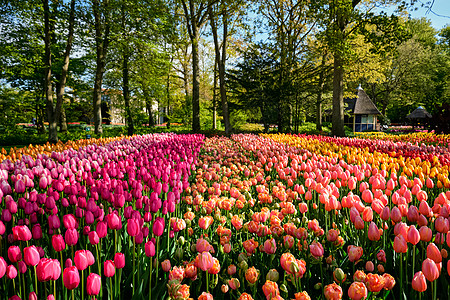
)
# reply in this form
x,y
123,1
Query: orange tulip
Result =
x,y
252,275
374,282
357,291
333,292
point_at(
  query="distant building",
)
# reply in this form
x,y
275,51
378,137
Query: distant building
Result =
x,y
361,113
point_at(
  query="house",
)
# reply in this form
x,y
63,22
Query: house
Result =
x,y
361,112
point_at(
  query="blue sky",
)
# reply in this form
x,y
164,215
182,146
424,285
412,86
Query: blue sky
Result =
x,y
439,14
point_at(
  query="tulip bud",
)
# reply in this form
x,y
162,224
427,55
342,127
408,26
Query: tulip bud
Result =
x,y
273,275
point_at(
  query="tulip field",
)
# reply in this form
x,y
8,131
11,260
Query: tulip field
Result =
x,y
270,216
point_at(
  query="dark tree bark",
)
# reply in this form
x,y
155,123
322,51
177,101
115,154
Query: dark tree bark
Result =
x,y
101,42
221,59
53,113
125,77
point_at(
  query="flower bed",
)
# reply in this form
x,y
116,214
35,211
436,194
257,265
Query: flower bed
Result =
x,y
246,217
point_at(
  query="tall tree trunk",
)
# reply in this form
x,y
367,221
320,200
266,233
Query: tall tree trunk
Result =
x,y
101,43
196,81
214,99
65,70
52,124
62,120
338,97
148,105
319,99
126,94
168,93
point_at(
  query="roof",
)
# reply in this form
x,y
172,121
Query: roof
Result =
x,y
419,113
363,104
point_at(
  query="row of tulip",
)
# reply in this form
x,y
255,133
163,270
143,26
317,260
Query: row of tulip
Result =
x,y
416,137
74,219
269,220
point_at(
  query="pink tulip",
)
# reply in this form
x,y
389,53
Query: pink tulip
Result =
x,y
71,277
413,236
150,249
22,233
48,269
430,270
93,284
14,254
316,249
158,226
354,253
3,266
205,261
419,283
400,244
109,268
133,227
31,255
81,260
71,237
11,272
166,265
119,260
434,253
270,246
373,232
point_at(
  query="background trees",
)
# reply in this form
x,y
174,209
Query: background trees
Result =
x,y
274,62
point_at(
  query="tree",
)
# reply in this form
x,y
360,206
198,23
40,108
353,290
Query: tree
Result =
x,y
195,13
53,113
102,25
289,23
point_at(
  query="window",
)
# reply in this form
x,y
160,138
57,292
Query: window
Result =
x,y
364,122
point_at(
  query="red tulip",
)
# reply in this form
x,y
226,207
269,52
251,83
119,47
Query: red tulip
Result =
x,y
119,260
430,269
419,283
71,278
81,260
93,284
31,256
14,254
109,268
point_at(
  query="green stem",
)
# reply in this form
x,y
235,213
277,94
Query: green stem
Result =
x,y
150,279
134,261
434,286
401,274
413,260
35,280
111,287
82,284
207,282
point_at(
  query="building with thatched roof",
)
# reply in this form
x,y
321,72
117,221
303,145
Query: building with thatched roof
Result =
x,y
419,113
361,112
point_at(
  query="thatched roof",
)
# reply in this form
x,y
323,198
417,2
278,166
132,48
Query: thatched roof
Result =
x,y
364,105
419,113
361,105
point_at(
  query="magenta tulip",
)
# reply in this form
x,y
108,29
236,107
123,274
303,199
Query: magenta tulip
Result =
x,y
71,277
93,284
133,227
14,254
58,243
109,268
48,269
22,233
11,272
31,256
3,266
119,260
158,226
71,237
80,259
150,249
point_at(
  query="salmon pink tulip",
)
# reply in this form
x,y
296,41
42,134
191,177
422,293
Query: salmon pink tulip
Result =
x,y
357,291
418,282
